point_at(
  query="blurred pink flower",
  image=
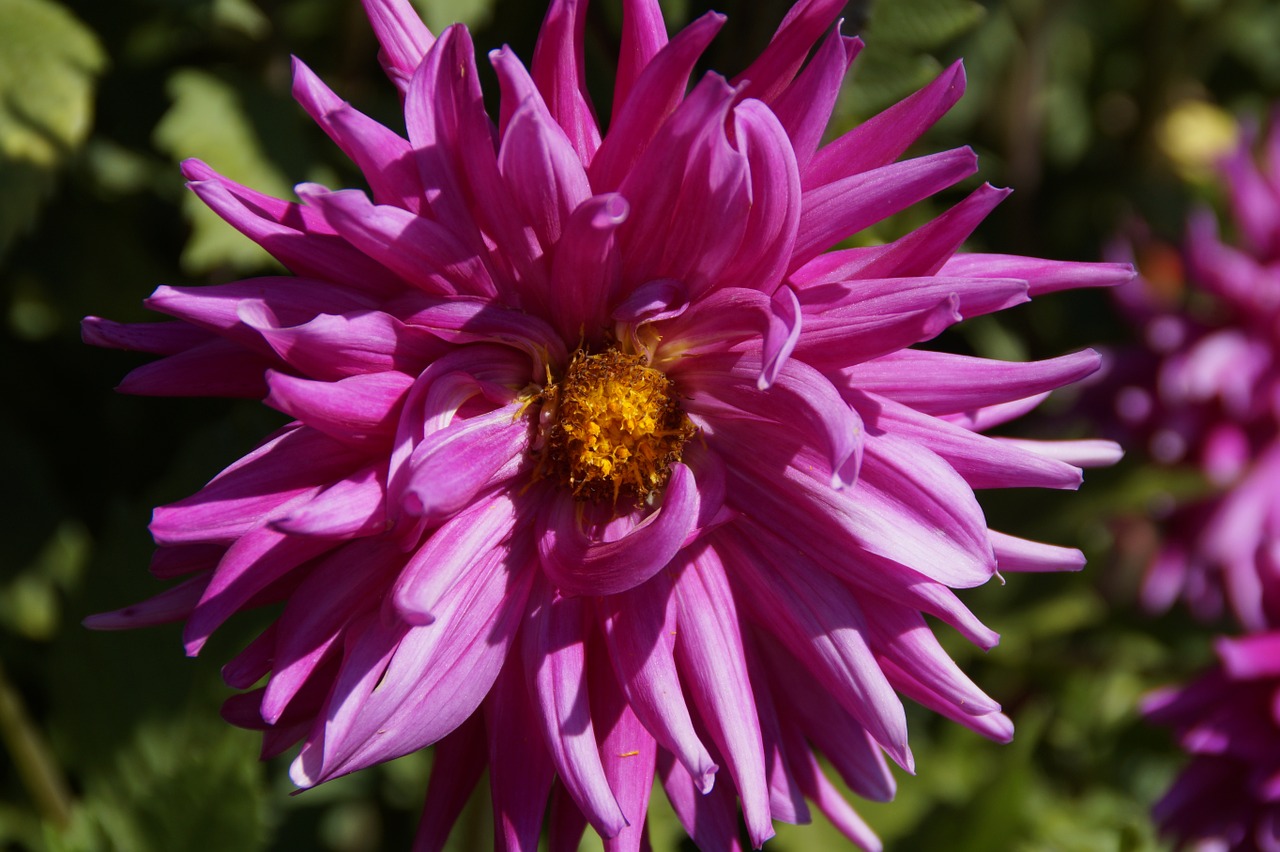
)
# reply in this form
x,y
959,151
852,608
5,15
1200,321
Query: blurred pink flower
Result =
x,y
1207,392
601,465
1228,798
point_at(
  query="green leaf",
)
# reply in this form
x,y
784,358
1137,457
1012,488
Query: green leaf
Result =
x,y
208,121
187,783
48,65
900,36
441,13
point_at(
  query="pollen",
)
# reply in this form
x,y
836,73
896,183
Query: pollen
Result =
x,y
612,426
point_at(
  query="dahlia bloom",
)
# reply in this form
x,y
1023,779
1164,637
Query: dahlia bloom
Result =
x,y
601,466
1207,392
1228,798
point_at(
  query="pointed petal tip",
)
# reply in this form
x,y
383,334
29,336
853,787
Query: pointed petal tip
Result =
x,y
706,781
299,774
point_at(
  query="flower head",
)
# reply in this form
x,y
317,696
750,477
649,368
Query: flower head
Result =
x,y
1228,797
1207,391
601,465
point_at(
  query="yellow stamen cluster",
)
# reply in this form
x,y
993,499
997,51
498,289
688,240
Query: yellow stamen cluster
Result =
x,y
612,425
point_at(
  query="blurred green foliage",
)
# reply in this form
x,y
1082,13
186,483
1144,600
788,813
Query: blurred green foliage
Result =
x,y
99,102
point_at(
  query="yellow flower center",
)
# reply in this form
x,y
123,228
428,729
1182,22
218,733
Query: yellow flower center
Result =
x,y
612,425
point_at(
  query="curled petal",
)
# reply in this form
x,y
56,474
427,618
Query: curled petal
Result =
x,y
555,669
580,566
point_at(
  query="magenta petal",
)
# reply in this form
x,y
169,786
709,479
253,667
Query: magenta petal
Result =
x,y
295,461
710,818
711,658
586,267
843,207
359,410
437,675
1044,276
881,139
655,95
173,604
351,507
833,805
628,752
342,586
919,253
805,107
450,467
555,665
157,338
520,768
578,565
403,36
773,70
424,253
639,628
559,70
772,225
821,624
813,714
292,236
541,168
725,387
457,763
257,559
1019,554
1250,657
942,383
213,368
468,538
382,155
644,34
780,335
334,346
983,462
290,300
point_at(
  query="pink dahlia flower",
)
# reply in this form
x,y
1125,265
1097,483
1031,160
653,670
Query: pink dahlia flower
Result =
x,y
1207,392
601,466
1228,797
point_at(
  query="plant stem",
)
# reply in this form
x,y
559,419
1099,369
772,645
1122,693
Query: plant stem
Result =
x,y
36,766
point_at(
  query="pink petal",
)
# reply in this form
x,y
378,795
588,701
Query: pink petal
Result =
x,y
403,36
360,410
555,666
843,207
520,768
881,139
424,253
344,584
644,34
805,107
173,604
639,629
821,624
382,155
921,252
579,565
474,535
777,64
774,218
712,660
943,383
657,92
457,763
451,466
587,269
558,69
237,500
628,752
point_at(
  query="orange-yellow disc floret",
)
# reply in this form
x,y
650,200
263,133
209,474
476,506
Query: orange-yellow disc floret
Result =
x,y
612,425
